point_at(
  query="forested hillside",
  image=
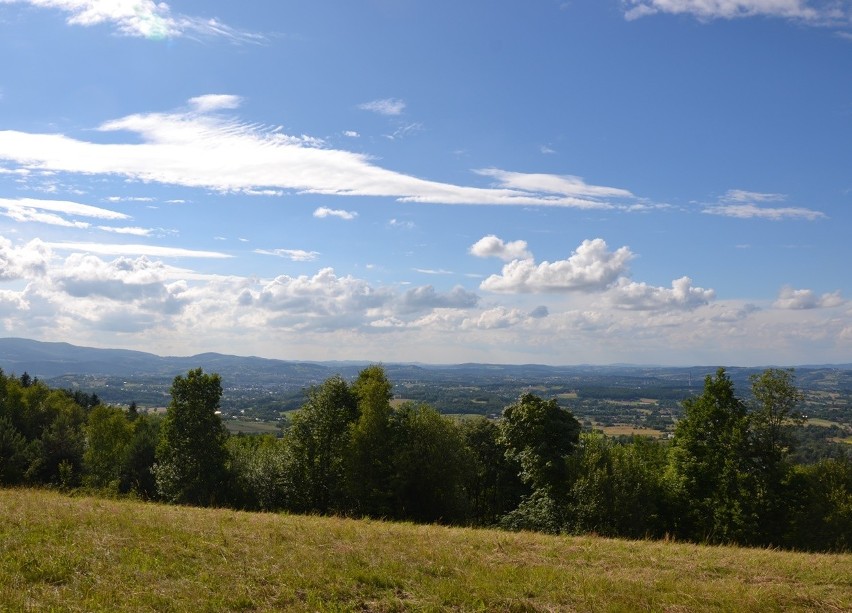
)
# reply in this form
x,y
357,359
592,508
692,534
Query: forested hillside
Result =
x,y
727,475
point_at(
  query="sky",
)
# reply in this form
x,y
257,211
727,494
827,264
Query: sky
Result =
x,y
506,181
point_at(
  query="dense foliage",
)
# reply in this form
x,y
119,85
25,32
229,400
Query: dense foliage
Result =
x,y
728,475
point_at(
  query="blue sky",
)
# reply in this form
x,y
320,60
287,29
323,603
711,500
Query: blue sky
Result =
x,y
586,181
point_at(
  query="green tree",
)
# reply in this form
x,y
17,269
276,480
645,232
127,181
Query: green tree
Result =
x,y
317,440
108,434
540,435
494,487
137,471
618,488
191,456
371,447
430,466
820,502
710,465
263,470
773,415
14,458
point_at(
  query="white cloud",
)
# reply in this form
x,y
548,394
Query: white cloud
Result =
x,y
149,250
492,246
214,102
817,12
24,262
740,195
295,255
789,298
752,211
426,298
195,149
123,279
743,204
591,267
60,206
323,295
351,134
433,271
130,199
139,302
496,318
133,231
564,185
643,297
385,106
323,212
140,18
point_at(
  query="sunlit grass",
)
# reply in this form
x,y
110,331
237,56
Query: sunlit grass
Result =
x,y
88,554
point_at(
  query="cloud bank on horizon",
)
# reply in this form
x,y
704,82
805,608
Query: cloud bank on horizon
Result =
x,y
495,200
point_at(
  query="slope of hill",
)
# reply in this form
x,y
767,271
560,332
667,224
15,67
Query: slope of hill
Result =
x,y
88,554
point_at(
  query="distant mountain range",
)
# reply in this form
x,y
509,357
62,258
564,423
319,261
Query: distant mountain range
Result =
x,y
48,360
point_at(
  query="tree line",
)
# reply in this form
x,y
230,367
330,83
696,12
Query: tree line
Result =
x,y
726,476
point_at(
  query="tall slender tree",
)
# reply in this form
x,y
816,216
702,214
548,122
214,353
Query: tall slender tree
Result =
x,y
710,467
191,455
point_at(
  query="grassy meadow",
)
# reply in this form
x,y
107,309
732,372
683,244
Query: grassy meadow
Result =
x,y
78,553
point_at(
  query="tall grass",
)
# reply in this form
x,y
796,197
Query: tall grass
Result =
x,y
60,553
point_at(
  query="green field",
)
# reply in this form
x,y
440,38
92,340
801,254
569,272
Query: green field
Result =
x,y
244,426
61,553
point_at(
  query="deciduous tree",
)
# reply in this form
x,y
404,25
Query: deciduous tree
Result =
x,y
191,456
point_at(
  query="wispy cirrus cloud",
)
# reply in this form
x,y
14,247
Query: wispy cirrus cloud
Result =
x,y
752,205
146,250
197,147
816,12
64,207
141,18
385,106
294,255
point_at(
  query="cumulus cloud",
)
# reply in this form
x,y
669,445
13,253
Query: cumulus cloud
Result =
x,y
84,297
140,18
123,279
591,267
323,212
426,298
24,262
200,148
323,301
817,12
295,255
540,312
790,298
496,318
643,297
385,106
492,246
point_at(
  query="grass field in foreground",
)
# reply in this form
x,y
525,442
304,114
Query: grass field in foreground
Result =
x,y
61,553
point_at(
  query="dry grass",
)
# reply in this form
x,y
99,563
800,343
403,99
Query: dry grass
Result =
x,y
59,553
628,430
